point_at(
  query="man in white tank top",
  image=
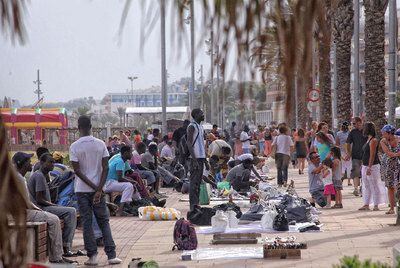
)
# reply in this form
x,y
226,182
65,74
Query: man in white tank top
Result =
x,y
197,158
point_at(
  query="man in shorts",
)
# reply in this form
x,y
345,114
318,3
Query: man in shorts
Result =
x,y
355,142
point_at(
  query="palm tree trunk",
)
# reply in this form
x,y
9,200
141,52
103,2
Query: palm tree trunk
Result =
x,y
343,32
375,61
324,50
302,87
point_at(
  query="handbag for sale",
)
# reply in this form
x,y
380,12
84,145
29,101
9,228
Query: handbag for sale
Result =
x,y
280,222
219,221
267,221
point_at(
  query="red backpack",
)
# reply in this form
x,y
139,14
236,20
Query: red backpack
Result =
x,y
184,235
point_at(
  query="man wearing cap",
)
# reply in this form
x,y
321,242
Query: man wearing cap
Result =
x,y
40,195
239,176
22,162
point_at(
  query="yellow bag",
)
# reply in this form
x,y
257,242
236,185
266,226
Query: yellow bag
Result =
x,y
152,213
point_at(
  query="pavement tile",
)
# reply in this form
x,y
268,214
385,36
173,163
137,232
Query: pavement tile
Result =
x,y
346,231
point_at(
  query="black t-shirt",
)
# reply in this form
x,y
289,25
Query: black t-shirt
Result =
x,y
357,140
178,134
367,153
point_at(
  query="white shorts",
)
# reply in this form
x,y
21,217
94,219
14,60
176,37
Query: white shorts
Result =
x,y
346,168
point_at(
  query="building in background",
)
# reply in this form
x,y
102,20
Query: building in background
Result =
x,y
151,97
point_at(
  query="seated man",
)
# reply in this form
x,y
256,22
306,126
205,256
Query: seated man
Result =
x,y
167,151
150,161
39,152
40,195
136,165
220,152
22,162
239,176
118,165
316,187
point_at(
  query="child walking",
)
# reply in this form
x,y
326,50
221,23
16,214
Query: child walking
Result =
x,y
336,175
329,189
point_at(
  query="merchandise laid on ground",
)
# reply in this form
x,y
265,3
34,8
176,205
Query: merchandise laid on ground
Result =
x,y
245,218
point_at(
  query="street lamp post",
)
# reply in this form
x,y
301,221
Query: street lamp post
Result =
x,y
38,82
191,97
132,78
392,70
163,70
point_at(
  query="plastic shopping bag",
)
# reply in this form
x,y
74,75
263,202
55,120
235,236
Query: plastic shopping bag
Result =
x,y
152,213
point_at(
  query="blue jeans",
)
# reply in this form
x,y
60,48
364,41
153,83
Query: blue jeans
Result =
x,y
96,228
246,150
67,214
282,164
87,208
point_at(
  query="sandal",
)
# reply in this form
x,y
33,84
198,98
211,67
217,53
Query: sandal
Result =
x,y
364,208
390,211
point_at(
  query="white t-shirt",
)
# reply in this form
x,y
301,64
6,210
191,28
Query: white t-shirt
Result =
x,y
283,144
150,137
167,152
244,139
89,152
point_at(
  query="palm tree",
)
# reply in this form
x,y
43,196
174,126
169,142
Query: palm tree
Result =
x,y
293,30
324,32
83,110
121,114
343,32
375,61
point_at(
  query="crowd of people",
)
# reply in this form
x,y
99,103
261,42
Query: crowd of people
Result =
x,y
128,170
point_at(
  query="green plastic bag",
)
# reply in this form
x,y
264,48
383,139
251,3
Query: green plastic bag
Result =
x,y
223,185
204,198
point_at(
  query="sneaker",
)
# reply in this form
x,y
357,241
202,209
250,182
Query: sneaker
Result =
x,y
92,261
114,261
355,192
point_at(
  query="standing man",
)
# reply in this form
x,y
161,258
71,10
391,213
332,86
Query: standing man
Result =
x,y
39,192
245,139
89,158
232,134
197,158
354,144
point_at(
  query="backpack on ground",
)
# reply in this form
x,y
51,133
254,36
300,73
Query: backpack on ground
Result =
x,y
184,235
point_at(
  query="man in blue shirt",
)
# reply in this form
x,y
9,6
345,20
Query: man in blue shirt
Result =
x,y
118,165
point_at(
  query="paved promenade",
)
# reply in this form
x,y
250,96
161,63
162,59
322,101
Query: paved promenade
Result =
x,y
346,231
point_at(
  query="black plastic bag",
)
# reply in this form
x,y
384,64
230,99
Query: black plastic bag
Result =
x,y
281,222
201,216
